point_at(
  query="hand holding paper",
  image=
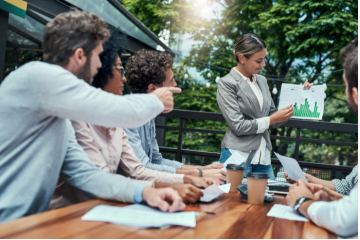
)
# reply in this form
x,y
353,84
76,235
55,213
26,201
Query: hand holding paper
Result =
x,y
292,167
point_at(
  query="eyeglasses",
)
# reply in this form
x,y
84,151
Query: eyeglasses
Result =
x,y
120,68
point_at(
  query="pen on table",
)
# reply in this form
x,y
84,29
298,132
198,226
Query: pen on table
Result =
x,y
212,213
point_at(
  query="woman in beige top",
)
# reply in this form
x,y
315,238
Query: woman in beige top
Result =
x,y
108,148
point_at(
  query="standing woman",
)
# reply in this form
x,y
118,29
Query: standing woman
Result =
x,y
246,104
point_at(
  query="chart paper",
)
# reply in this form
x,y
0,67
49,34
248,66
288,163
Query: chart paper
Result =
x,y
308,103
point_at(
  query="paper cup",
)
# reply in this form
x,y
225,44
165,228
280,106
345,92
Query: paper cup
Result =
x,y
234,175
256,183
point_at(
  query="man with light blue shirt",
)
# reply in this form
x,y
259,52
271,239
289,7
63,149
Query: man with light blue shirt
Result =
x,y
37,141
147,71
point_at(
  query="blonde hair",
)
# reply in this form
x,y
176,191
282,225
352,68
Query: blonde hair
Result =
x,y
248,44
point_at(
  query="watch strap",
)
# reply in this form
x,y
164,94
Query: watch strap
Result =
x,y
298,203
200,170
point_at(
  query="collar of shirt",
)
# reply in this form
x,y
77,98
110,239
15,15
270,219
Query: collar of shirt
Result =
x,y
106,130
246,78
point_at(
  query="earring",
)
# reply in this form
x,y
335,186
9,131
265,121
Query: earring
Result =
x,y
242,63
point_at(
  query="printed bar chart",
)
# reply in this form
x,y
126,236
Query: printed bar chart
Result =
x,y
304,110
308,103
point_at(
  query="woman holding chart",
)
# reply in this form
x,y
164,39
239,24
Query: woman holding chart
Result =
x,y
246,104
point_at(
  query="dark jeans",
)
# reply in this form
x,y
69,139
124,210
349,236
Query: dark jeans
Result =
x,y
225,154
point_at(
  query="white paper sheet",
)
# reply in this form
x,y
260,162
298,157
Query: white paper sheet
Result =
x,y
137,206
270,183
277,183
235,158
286,212
138,217
294,94
292,167
213,191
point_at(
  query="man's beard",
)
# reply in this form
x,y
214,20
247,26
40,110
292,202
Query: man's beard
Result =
x,y
85,72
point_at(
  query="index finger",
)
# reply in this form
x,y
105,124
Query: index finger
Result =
x,y
196,190
174,89
300,182
177,205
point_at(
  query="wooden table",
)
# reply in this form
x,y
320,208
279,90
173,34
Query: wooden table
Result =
x,y
231,217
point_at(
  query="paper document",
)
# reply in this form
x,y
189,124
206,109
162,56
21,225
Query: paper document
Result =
x,y
292,167
142,207
270,183
235,158
286,212
213,191
277,183
139,218
308,103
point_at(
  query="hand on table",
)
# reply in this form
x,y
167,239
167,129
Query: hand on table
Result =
x,y
166,199
165,95
188,192
214,166
217,174
298,190
200,182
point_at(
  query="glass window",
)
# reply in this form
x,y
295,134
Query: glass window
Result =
x,y
28,25
112,16
17,39
43,16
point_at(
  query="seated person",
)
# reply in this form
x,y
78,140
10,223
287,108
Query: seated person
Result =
x,y
108,148
37,140
147,71
339,215
335,187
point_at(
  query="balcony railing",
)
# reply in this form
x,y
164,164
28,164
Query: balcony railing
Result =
x,y
326,171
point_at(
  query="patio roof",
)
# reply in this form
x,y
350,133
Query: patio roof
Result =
x,y
27,33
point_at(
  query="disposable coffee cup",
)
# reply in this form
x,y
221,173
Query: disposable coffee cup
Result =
x,y
256,183
234,175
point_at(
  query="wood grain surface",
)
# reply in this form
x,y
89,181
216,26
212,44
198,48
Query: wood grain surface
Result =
x,y
228,216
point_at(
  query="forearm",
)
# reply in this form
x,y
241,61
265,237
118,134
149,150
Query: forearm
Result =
x,y
162,185
189,171
304,207
325,183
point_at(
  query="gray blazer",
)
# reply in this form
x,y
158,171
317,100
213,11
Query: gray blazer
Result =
x,y
240,107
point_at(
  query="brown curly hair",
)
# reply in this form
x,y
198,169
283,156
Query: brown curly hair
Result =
x,y
146,67
71,30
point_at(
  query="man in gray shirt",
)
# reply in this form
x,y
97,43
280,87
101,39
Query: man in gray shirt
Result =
x,y
37,141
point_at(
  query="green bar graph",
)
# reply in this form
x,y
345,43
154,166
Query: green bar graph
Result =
x,y
304,110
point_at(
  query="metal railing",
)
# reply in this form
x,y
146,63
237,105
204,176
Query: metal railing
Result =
x,y
296,124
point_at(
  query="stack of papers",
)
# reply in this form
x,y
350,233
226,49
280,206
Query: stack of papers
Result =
x,y
213,191
286,212
140,216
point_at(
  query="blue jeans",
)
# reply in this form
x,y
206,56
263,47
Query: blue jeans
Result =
x,y
225,154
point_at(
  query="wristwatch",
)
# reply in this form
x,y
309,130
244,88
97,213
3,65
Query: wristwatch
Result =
x,y
298,202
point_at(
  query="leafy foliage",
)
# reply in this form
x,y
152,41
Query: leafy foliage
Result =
x,y
303,39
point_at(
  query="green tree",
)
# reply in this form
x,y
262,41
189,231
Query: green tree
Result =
x,y
303,39
176,16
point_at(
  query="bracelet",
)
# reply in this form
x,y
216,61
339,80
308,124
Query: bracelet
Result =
x,y
200,172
